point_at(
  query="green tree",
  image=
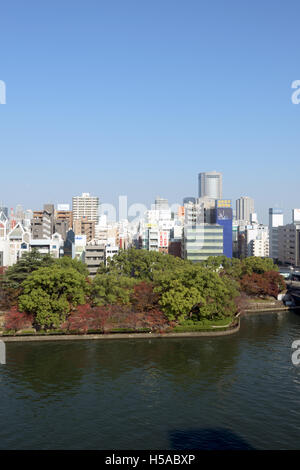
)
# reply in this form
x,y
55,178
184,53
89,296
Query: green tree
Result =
x,y
29,262
258,265
111,288
141,264
50,293
196,292
229,266
67,262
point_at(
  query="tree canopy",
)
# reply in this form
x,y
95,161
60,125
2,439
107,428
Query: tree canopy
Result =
x,y
50,293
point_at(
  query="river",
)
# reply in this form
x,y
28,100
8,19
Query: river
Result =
x,y
239,391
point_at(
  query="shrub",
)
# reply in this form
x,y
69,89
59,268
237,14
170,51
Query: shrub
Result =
x,y
15,320
143,298
86,318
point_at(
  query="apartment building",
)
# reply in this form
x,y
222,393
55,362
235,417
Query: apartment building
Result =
x,y
85,206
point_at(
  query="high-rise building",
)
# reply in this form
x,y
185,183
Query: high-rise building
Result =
x,y
85,206
275,221
224,218
210,185
244,208
288,239
42,223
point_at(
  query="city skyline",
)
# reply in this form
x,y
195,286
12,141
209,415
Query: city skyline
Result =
x,y
262,216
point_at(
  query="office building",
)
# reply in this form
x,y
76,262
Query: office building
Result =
x,y
275,221
42,223
244,208
210,185
161,204
224,219
94,256
200,242
288,238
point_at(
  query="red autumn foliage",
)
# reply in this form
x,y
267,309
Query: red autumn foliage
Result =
x,y
144,299
87,318
15,320
269,283
156,320
143,312
111,317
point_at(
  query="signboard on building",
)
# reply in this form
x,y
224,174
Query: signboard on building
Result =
x,y
163,239
80,240
224,203
63,207
224,214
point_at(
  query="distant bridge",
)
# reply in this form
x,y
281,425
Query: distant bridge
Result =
x,y
293,289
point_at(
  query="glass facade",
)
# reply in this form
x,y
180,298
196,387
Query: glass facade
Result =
x,y
202,241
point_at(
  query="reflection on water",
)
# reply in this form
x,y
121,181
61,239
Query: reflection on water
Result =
x,y
238,391
208,439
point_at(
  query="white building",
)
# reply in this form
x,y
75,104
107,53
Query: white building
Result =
x,y
13,245
257,240
110,252
259,246
85,206
53,246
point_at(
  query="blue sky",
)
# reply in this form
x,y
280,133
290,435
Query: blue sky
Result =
x,y
137,97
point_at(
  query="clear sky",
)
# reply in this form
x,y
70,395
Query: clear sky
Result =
x,y
136,97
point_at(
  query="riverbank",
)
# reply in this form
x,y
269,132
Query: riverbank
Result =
x,y
256,308
69,337
269,310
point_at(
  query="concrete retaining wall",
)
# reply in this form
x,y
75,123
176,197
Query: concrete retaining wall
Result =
x,y
230,331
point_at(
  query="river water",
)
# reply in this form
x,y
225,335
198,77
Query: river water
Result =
x,y
238,392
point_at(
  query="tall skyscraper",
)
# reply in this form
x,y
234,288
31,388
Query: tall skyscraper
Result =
x,y
244,208
85,206
275,221
210,185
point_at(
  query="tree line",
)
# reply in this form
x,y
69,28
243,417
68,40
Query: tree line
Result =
x,y
138,289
